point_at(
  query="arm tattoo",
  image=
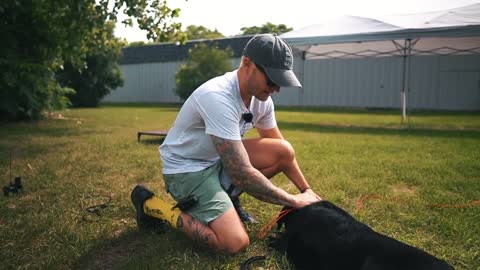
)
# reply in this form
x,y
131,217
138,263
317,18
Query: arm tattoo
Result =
x,y
235,160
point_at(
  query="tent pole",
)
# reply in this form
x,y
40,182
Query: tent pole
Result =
x,y
409,74
407,50
302,90
404,75
411,44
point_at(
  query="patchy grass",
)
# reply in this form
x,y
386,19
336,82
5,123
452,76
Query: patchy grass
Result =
x,y
91,155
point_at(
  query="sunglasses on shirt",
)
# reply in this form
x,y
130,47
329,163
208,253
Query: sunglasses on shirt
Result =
x,y
269,82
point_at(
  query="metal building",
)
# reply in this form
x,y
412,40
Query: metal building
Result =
x,y
437,82
149,70
366,63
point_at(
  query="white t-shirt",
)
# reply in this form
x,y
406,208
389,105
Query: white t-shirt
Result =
x,y
215,108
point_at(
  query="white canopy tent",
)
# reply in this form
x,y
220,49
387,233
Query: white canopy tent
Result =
x,y
449,32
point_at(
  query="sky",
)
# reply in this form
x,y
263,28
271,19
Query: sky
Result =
x,y
228,17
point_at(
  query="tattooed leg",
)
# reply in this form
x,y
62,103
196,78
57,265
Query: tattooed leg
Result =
x,y
226,234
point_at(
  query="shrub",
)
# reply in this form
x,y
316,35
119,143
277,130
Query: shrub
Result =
x,y
101,73
203,63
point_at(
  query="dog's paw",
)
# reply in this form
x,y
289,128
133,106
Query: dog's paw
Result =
x,y
278,241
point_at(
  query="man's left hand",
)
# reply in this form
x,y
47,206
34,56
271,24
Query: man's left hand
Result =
x,y
311,192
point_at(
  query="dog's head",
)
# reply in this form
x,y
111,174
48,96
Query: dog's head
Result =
x,y
316,213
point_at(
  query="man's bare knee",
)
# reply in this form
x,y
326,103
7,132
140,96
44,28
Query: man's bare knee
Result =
x,y
287,153
238,246
234,244
230,232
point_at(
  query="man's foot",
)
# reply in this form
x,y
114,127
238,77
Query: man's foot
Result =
x,y
139,195
244,216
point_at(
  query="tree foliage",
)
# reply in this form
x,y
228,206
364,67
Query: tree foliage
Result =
x,y
266,28
203,63
135,44
100,75
40,36
201,32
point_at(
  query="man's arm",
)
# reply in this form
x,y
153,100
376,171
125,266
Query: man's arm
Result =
x,y
297,178
235,160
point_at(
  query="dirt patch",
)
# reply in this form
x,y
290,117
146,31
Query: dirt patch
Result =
x,y
404,190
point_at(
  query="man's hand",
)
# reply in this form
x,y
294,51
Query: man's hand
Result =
x,y
304,199
310,191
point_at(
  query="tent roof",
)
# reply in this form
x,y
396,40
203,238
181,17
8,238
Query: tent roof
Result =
x,y
457,22
462,16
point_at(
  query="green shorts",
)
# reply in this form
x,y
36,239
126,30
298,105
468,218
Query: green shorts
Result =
x,y
213,201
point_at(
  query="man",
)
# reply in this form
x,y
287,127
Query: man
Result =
x,y
204,151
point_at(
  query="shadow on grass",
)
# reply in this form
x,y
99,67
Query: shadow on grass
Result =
x,y
156,141
375,111
111,253
170,107
147,250
351,129
32,129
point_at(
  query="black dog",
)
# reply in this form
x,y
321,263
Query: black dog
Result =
x,y
323,236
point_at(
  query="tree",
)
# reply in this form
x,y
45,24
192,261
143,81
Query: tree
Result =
x,y
99,76
266,28
39,36
201,32
203,63
135,44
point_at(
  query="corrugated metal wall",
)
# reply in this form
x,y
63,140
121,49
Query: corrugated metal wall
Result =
x,y
148,82
451,83
437,82
367,82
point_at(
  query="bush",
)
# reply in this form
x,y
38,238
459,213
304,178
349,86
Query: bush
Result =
x,y
41,36
92,83
29,89
203,63
99,76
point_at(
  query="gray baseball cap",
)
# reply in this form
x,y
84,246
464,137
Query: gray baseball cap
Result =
x,y
275,56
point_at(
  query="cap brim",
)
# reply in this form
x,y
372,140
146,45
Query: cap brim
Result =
x,y
282,77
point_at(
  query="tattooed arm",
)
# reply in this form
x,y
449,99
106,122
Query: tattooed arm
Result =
x,y
235,160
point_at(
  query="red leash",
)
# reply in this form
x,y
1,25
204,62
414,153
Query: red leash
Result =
x,y
268,227
362,199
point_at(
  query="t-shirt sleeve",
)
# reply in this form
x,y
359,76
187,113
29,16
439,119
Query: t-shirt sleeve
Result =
x,y
219,115
267,120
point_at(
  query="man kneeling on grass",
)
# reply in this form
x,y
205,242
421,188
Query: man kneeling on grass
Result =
x,y
204,156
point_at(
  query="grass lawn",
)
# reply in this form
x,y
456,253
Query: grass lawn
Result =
x,y
92,155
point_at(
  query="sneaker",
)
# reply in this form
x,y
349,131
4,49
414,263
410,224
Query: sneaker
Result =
x,y
244,216
139,195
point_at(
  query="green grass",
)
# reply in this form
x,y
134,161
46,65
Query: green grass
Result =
x,y
69,164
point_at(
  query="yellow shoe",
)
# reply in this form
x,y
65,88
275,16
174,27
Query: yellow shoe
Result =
x,y
145,222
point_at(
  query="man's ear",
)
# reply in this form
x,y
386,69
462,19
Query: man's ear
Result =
x,y
247,62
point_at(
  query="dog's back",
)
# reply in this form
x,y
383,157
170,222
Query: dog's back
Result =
x,y
323,236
